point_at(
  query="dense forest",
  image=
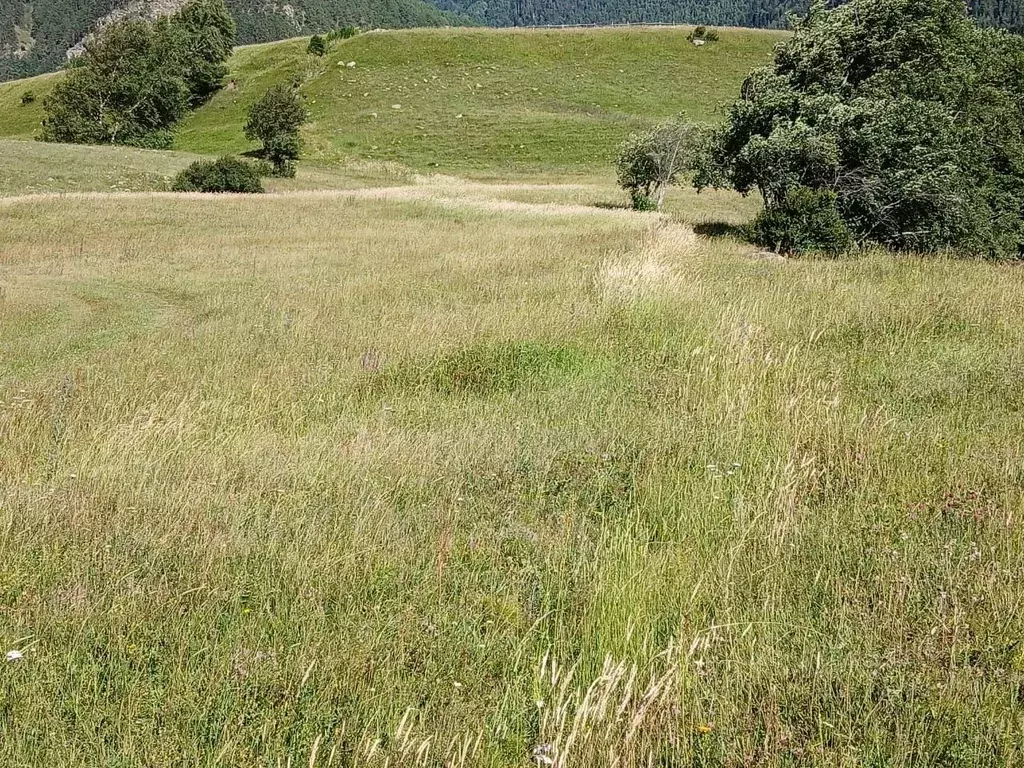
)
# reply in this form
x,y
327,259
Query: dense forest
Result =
x,y
736,13
34,37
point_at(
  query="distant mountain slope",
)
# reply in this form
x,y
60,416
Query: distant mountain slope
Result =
x,y
35,36
734,13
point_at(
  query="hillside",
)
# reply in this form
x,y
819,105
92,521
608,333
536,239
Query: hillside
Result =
x,y
467,100
34,36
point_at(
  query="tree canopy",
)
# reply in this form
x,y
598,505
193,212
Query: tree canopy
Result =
x,y
136,80
906,111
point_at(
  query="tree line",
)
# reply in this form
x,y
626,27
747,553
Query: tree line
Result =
x,y
1008,14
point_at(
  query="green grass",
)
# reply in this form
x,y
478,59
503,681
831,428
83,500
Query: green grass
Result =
x,y
31,167
481,102
23,121
289,477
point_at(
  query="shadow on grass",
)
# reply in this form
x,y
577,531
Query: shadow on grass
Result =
x,y
720,229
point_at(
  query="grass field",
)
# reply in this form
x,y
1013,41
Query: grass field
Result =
x,y
395,467
370,476
486,102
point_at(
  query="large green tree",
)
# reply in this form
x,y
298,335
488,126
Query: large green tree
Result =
x,y
904,112
199,37
136,80
122,90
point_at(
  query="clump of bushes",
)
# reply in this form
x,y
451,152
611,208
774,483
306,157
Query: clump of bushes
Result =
x,y
136,79
226,174
912,140
701,35
28,97
342,33
317,46
274,121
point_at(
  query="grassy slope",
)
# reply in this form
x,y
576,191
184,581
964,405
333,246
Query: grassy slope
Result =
x,y
547,101
529,100
277,471
31,167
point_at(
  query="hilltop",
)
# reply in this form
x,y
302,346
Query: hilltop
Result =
x,y
461,100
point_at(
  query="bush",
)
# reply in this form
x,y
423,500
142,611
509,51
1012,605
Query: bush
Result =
x,y
804,221
918,135
228,174
317,46
648,163
703,33
275,121
28,97
342,33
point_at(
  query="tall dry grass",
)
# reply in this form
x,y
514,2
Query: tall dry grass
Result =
x,y
319,480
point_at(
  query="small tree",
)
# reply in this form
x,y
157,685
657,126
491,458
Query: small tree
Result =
x,y
650,162
28,97
317,46
274,121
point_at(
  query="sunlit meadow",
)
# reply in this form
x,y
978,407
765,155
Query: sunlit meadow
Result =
x,y
464,475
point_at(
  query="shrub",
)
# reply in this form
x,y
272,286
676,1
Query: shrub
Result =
x,y
919,134
342,33
28,97
648,163
227,174
275,121
317,46
703,33
804,221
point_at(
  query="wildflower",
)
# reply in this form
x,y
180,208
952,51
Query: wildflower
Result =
x,y
706,727
15,656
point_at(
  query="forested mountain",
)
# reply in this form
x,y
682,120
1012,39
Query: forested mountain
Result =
x,y
35,36
736,13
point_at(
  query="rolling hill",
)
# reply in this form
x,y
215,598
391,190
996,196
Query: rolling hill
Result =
x,y
467,101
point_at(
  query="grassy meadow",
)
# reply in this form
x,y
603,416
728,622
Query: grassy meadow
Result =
x,y
481,102
455,467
